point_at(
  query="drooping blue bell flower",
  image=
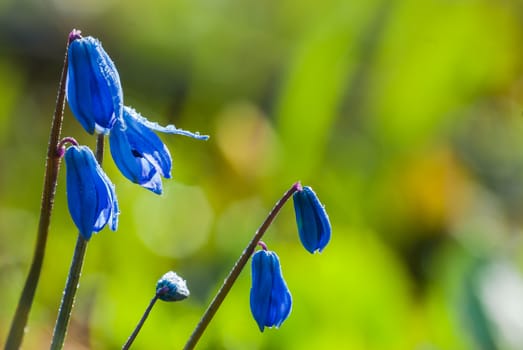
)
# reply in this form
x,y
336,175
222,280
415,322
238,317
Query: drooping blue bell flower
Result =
x,y
139,153
313,222
271,301
93,86
90,194
172,287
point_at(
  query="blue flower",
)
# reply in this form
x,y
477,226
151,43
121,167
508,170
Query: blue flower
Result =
x,y
314,227
271,301
93,87
139,153
90,194
171,287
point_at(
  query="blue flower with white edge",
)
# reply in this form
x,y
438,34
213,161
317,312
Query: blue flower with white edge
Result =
x,y
172,287
313,222
90,194
270,299
139,153
93,88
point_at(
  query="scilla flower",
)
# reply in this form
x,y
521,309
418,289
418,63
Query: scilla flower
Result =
x,y
90,194
93,87
313,222
139,153
271,300
172,287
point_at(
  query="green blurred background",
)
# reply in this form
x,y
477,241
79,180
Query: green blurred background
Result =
x,y
404,116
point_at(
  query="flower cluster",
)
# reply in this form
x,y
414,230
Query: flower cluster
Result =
x,y
270,299
95,96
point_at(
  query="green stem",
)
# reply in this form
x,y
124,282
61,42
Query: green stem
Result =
x,y
237,269
52,167
66,305
138,327
71,285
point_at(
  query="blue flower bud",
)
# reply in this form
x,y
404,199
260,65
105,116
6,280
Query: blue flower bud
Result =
x,y
171,287
93,87
271,301
90,194
314,227
139,153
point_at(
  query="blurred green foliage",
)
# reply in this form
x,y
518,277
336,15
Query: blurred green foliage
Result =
x,y
405,117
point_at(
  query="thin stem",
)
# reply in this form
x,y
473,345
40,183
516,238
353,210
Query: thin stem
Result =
x,y
66,305
100,149
237,269
138,327
52,167
71,285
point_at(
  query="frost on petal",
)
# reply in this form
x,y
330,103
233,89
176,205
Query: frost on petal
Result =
x,y
169,129
172,287
139,153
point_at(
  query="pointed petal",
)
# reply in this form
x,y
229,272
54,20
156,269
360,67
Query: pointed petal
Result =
x,y
169,129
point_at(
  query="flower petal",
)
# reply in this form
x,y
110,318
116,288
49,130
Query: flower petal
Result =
x,y
90,194
169,129
270,299
93,86
81,190
107,204
313,222
139,153
281,300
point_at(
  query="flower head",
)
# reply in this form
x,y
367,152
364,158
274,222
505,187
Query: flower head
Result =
x,y
313,222
139,153
90,194
172,287
93,87
271,301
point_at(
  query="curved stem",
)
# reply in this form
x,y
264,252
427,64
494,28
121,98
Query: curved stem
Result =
x,y
71,285
237,269
52,167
